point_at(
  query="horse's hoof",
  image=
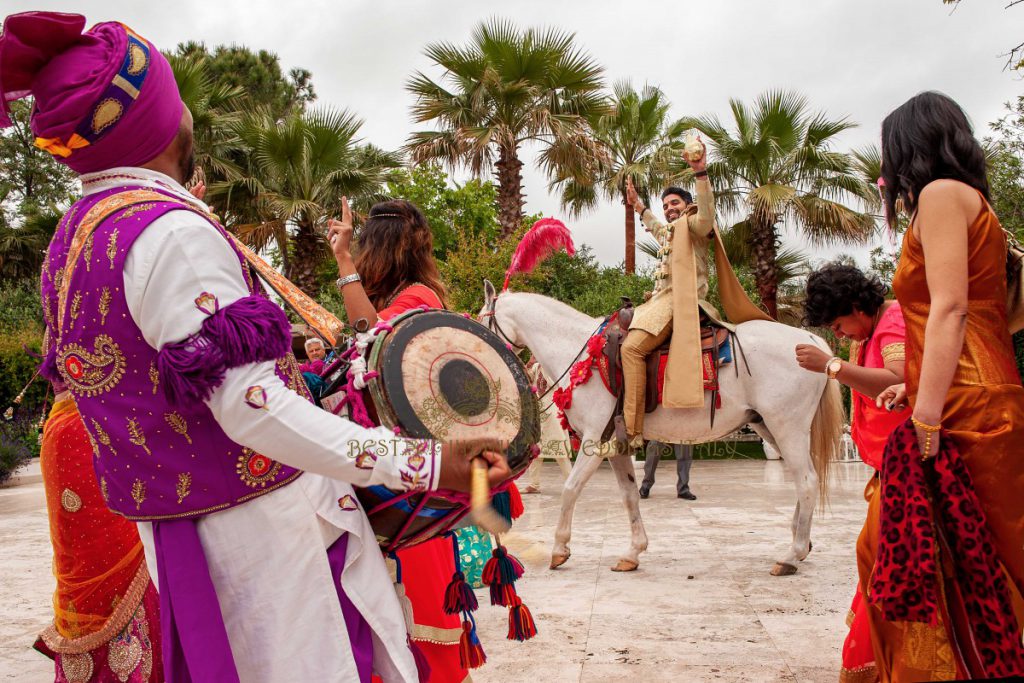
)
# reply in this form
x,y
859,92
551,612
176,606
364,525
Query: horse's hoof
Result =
x,y
558,560
783,569
625,566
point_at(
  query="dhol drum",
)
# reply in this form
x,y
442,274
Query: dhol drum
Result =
x,y
437,374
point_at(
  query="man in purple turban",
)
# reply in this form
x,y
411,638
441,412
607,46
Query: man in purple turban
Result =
x,y
182,372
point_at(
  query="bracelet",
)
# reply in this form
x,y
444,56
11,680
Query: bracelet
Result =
x,y
641,211
347,280
700,174
929,431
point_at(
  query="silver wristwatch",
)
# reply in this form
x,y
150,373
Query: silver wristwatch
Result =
x,y
347,280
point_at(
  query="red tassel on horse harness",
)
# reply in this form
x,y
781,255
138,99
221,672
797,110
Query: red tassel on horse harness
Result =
x,y
520,622
471,652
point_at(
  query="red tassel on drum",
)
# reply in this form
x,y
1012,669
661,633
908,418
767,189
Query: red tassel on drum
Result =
x,y
501,573
515,501
459,595
520,622
471,652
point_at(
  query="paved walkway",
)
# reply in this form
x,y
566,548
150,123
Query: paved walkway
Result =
x,y
702,606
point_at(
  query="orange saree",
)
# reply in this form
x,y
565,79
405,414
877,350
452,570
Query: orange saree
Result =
x,y
984,416
106,623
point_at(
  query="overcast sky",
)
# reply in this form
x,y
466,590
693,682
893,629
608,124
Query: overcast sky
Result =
x,y
857,59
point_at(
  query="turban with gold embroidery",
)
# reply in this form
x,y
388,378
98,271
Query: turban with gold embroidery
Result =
x,y
104,98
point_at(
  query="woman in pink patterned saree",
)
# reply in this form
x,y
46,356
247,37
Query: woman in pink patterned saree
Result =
x,y
853,306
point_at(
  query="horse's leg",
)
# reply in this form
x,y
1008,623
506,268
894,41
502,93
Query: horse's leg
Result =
x,y
795,447
624,473
581,473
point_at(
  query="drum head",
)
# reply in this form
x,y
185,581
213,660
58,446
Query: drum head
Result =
x,y
444,376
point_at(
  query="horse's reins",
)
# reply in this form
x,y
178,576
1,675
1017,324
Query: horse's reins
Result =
x,y
494,326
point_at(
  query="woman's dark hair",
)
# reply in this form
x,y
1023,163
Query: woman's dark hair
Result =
x,y
396,249
928,138
836,290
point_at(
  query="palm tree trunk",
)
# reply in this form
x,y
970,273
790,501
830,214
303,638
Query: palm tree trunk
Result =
x,y
765,251
510,190
630,236
301,269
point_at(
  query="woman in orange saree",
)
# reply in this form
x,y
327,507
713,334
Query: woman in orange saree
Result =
x,y
960,376
106,625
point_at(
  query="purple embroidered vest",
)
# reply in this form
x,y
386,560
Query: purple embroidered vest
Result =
x,y
159,452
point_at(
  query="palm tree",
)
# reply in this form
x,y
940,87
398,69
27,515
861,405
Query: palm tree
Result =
x,y
778,165
295,173
638,140
23,248
506,88
216,106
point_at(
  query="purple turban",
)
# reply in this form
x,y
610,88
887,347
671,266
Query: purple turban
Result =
x,y
103,98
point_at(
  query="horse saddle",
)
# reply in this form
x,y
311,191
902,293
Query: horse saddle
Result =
x,y
713,341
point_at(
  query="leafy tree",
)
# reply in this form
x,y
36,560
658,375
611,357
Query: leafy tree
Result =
x,y
292,178
638,139
1006,168
450,209
215,106
778,165
507,88
259,73
30,179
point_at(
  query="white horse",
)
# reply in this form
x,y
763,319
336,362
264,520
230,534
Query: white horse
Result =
x,y
798,412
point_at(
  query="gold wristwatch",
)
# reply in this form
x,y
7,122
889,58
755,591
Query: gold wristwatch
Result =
x,y
833,366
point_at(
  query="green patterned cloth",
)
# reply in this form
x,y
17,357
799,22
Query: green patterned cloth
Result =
x,y
474,551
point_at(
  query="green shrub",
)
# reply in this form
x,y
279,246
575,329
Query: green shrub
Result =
x,y
19,441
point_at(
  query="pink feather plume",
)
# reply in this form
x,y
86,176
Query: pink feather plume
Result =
x,y
547,236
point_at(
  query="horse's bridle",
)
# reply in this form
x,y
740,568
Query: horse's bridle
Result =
x,y
494,326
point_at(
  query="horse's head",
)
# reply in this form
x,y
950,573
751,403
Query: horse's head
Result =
x,y
500,323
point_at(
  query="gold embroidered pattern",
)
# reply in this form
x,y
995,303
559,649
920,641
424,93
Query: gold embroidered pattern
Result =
x,y
122,615
101,435
132,210
58,278
184,486
104,305
106,114
154,376
87,251
138,493
862,674
77,668
255,469
894,352
103,490
136,435
124,654
178,424
112,247
92,373
76,306
927,648
70,501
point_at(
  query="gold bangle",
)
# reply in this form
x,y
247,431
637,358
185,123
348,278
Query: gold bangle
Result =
x,y
931,429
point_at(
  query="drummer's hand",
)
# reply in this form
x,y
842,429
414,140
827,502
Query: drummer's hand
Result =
x,y
339,233
457,458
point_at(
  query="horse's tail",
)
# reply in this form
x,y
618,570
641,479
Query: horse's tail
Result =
x,y
827,435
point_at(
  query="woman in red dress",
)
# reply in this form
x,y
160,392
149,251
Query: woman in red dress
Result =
x,y
394,272
853,306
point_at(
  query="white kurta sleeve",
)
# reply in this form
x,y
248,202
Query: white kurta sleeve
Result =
x,y
170,273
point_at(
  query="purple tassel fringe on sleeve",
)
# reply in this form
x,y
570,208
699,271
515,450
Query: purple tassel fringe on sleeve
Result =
x,y
250,330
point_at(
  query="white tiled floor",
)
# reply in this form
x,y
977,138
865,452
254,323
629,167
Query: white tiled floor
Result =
x,y
701,607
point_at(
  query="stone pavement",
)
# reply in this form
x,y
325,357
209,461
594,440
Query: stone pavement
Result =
x,y
701,607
